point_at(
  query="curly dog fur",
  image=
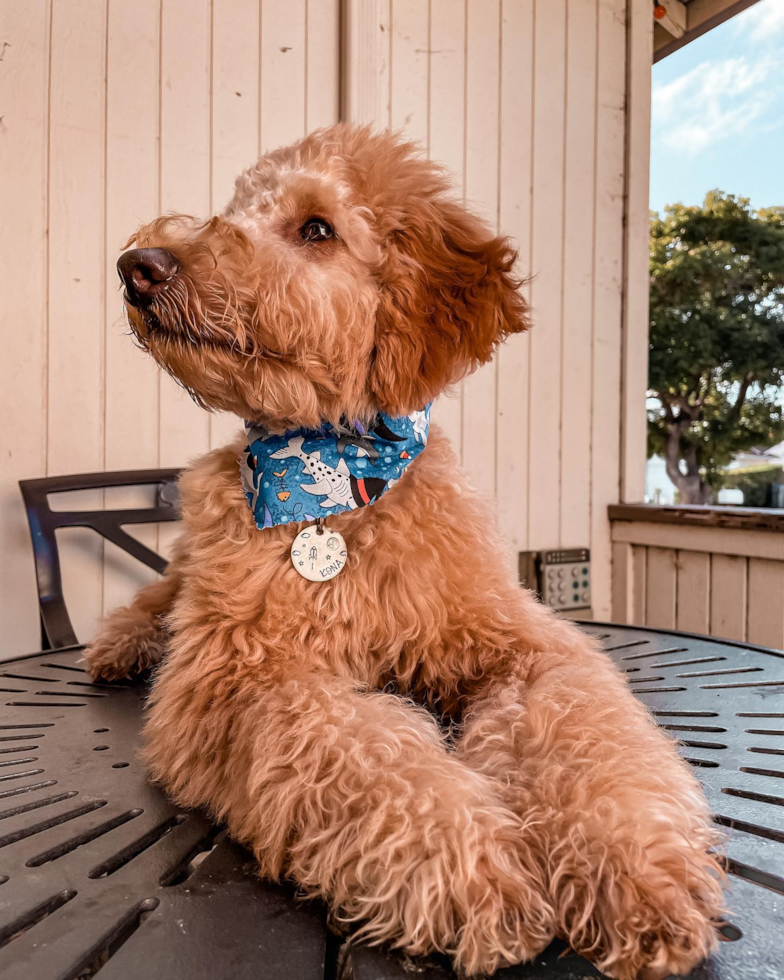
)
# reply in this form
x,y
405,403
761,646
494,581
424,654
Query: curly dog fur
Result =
x,y
302,714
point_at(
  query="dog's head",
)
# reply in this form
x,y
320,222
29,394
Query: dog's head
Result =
x,y
342,279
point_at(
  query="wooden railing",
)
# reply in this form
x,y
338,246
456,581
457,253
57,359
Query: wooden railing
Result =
x,y
717,570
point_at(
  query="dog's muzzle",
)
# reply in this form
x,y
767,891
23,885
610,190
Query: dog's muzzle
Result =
x,y
145,273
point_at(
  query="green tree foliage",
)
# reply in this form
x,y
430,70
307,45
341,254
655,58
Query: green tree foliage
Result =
x,y
716,337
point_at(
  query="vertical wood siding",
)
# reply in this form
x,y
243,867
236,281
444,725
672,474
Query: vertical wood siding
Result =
x,y
24,321
525,101
115,110
722,581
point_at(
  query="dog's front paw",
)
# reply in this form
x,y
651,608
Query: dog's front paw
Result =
x,y
506,915
642,913
124,647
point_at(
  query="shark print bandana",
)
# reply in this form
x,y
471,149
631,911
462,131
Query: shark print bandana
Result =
x,y
304,475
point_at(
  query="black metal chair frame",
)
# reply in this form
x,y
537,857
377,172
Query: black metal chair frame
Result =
x,y
56,628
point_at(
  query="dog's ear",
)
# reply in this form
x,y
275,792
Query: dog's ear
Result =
x,y
448,297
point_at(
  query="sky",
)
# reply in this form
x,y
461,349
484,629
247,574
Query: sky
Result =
x,y
718,113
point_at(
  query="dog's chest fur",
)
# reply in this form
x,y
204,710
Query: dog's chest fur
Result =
x,y
418,560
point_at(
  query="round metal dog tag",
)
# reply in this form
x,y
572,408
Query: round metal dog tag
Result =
x,y
318,553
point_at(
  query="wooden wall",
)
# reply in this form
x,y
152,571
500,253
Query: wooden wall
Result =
x,y
541,108
115,110
724,580
112,113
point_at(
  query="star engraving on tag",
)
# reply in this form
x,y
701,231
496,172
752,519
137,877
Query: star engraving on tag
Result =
x,y
322,557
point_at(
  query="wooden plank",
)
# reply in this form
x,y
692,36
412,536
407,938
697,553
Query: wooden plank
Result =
x,y
728,596
24,71
131,407
661,588
365,56
184,180
639,575
185,106
748,518
629,583
235,93
766,603
76,284
446,143
299,90
636,277
622,583
608,279
184,185
544,382
409,52
483,26
577,284
447,65
235,123
723,541
515,170
283,41
694,578
322,84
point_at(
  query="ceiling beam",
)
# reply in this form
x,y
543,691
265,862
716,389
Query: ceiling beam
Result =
x,y
701,17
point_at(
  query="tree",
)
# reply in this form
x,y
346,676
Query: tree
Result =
x,y
716,337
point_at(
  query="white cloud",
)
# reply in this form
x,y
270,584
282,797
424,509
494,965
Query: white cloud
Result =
x,y
716,101
764,20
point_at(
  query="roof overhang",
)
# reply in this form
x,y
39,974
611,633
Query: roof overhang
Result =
x,y
687,20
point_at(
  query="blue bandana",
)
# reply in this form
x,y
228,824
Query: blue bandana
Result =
x,y
306,474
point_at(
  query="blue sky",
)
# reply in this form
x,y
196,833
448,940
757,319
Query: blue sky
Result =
x,y
718,113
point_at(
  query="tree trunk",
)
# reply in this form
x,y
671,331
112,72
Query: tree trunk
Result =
x,y
689,485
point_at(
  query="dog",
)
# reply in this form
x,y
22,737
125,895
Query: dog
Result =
x,y
416,740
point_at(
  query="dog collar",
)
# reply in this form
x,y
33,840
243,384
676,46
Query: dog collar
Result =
x,y
305,474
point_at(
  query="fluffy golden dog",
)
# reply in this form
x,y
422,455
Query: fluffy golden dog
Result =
x,y
343,280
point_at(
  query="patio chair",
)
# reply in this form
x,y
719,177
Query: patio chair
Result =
x,y
56,628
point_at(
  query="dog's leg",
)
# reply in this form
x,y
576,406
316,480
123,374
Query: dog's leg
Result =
x,y
354,795
131,638
624,823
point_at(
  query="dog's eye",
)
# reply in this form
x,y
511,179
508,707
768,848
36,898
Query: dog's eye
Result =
x,y
316,230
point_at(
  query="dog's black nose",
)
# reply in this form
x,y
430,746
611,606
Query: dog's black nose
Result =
x,y
145,272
